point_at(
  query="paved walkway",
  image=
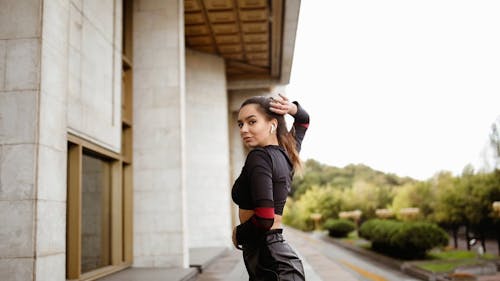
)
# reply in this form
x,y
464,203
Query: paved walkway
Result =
x,y
320,258
318,266
230,266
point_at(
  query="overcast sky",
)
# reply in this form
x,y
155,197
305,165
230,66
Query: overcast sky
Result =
x,y
408,87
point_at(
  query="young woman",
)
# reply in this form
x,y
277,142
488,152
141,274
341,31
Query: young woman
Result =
x,y
261,189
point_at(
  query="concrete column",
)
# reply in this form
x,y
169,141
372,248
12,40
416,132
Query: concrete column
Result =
x,y
207,154
33,80
160,227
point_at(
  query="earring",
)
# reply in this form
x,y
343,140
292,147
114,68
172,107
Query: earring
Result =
x,y
273,128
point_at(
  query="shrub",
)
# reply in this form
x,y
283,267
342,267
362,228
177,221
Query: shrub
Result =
x,y
403,239
339,228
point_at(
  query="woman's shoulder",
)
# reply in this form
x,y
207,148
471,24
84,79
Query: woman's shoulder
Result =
x,y
258,155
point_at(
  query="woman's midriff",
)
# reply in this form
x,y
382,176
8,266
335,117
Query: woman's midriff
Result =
x,y
247,214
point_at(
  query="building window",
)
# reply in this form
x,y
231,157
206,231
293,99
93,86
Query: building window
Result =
x,y
95,213
99,220
99,205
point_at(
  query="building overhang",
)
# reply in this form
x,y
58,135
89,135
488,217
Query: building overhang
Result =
x,y
256,38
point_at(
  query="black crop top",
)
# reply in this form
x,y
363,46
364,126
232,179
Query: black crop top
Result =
x,y
265,181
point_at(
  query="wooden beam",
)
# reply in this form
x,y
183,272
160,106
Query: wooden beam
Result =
x,y
276,37
244,66
74,210
116,209
128,213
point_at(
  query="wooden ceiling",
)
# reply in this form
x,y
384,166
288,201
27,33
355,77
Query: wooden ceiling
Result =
x,y
246,33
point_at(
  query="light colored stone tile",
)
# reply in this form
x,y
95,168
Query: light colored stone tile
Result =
x,y
162,19
153,5
118,18
165,248
17,172
74,73
155,158
159,39
78,4
55,24
142,261
54,76
152,202
158,222
16,233
18,117
51,227
174,260
3,51
97,67
145,58
174,40
22,66
49,268
51,174
142,39
18,269
172,77
161,100
74,114
205,97
19,18
142,22
100,15
75,27
152,244
100,103
53,121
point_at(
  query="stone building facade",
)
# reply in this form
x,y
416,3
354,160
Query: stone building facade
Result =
x,y
118,143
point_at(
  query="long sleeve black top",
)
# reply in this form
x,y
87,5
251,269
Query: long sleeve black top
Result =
x,y
264,183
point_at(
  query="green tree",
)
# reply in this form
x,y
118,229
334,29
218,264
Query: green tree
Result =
x,y
323,200
495,141
449,204
415,195
365,196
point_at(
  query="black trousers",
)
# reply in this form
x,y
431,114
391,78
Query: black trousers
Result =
x,y
272,259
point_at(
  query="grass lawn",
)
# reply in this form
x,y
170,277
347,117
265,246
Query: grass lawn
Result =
x,y
353,239
446,261
438,261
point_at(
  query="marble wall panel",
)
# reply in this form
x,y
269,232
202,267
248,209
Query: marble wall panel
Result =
x,y
51,228
55,20
52,174
50,268
19,269
17,239
94,67
154,5
100,15
159,133
3,50
208,187
19,19
18,111
17,172
22,64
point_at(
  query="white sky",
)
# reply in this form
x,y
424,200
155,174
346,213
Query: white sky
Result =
x,y
408,87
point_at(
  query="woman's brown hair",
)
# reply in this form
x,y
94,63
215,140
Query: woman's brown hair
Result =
x,y
286,138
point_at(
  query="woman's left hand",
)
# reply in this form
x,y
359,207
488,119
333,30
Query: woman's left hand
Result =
x,y
282,106
235,242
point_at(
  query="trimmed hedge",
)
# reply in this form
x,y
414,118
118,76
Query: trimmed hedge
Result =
x,y
339,228
407,240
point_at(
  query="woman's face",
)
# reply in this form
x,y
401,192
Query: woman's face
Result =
x,y
255,129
